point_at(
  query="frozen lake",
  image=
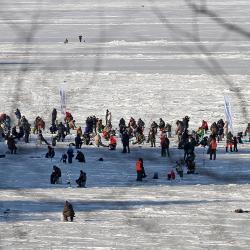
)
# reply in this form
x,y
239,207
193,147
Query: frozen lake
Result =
x,y
147,59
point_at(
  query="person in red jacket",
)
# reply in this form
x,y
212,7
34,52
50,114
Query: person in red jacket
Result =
x,y
204,125
112,142
213,147
140,169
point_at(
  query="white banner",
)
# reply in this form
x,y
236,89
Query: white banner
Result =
x,y
63,101
228,113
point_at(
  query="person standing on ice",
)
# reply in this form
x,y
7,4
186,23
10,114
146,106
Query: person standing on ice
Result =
x,y
70,153
212,147
235,143
78,141
247,131
229,142
164,145
161,124
168,129
80,38
26,128
68,212
106,117
140,170
11,144
125,142
53,117
18,115
151,137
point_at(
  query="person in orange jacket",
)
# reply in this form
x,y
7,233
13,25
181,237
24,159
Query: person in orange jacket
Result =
x,y
140,170
213,147
112,142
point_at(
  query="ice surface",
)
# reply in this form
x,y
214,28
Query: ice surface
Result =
x,y
136,61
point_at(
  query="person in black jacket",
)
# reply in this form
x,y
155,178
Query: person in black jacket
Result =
x,y
125,142
80,156
78,141
188,148
61,129
56,174
18,114
81,181
53,117
50,153
11,144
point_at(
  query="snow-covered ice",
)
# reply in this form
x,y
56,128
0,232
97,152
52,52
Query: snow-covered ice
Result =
x,y
139,60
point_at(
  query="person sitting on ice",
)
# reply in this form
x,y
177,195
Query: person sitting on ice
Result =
x,y
64,158
81,181
53,128
112,142
204,125
179,168
55,175
50,153
68,212
80,156
86,139
171,175
98,141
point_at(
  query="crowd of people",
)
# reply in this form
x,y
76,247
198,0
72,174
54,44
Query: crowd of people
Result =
x,y
103,134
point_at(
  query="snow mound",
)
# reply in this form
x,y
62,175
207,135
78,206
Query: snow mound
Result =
x,y
141,43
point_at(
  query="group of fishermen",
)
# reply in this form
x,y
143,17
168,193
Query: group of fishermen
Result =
x,y
96,130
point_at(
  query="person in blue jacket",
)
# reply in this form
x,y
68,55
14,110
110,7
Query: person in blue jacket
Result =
x,y
70,154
